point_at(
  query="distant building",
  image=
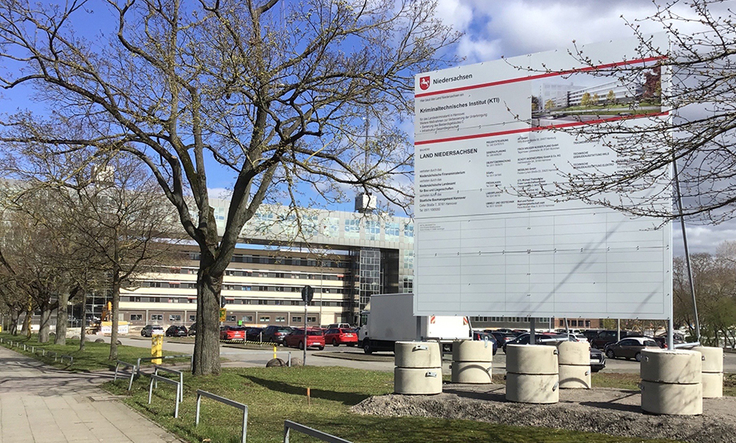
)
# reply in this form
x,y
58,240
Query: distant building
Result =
x,y
346,257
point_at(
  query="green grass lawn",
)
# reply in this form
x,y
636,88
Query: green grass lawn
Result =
x,y
277,394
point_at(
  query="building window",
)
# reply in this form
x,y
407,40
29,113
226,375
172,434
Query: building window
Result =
x,y
280,319
373,229
193,317
134,317
157,317
409,231
352,228
408,260
311,319
264,319
230,318
392,231
174,317
248,318
297,319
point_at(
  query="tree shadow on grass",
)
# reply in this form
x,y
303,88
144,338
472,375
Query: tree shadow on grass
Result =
x,y
346,398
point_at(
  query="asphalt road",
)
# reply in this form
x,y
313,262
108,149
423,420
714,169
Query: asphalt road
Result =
x,y
352,357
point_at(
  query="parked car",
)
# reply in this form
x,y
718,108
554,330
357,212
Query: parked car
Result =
x,y
150,330
607,336
630,347
523,339
232,333
573,337
276,334
341,336
339,325
193,329
315,339
480,336
254,334
590,334
597,359
501,337
176,331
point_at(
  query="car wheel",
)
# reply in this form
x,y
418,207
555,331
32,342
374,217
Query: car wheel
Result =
x,y
301,345
334,342
367,347
637,357
610,354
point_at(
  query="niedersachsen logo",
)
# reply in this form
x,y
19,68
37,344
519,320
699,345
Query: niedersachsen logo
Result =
x,y
424,82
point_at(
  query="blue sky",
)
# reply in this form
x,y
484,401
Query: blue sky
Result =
x,y
502,28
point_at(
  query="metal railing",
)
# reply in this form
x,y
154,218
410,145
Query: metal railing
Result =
x,y
226,401
175,372
43,352
156,378
164,357
126,365
288,425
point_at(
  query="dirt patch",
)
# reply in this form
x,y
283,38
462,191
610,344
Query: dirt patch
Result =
x,y
601,410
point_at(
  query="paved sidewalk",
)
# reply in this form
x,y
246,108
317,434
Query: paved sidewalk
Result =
x,y
42,404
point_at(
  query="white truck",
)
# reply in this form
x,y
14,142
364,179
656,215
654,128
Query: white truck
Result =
x,y
390,318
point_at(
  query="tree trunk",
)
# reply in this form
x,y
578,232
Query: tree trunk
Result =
x,y
62,318
27,322
83,332
14,318
114,314
207,341
43,327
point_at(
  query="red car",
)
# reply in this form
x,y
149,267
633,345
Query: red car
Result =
x,y
341,336
232,333
315,339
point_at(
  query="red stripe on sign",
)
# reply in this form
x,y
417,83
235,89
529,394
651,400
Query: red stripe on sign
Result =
x,y
536,128
538,76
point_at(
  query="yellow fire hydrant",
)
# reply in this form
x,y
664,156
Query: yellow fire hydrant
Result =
x,y
157,348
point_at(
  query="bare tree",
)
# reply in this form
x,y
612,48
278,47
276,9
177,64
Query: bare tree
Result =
x,y
33,259
122,221
715,287
271,93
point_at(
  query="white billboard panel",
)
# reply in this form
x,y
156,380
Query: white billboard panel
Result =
x,y
481,247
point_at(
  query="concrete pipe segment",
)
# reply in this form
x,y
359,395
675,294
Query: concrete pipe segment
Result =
x,y
531,359
472,350
575,377
672,399
712,371
415,354
415,381
671,382
418,368
574,370
574,353
531,374
477,372
679,366
472,361
525,388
